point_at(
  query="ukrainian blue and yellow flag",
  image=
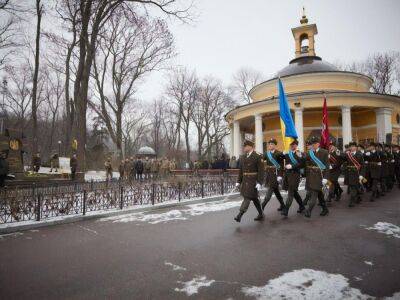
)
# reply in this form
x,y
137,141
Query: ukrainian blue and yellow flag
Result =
x,y
287,125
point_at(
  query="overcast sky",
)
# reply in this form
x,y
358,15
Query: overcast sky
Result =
x,y
230,34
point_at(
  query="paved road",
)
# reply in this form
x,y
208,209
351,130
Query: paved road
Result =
x,y
129,258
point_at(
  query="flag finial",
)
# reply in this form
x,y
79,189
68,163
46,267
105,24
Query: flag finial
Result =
x,y
304,19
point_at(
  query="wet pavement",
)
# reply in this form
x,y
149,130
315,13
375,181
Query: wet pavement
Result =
x,y
198,251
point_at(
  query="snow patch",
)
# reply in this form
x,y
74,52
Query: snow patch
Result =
x,y
386,228
306,284
14,234
368,262
174,267
173,215
395,296
192,287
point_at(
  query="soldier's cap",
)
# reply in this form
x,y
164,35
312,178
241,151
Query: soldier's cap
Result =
x,y
308,143
273,141
248,143
361,146
332,143
295,142
379,145
314,140
351,144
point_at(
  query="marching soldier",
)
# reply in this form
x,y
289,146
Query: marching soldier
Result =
x,y
73,164
396,156
336,161
36,162
384,169
250,179
355,173
121,169
373,160
294,162
273,173
391,163
317,164
109,170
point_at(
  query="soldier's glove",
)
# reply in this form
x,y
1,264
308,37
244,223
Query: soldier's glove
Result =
x,y
379,164
324,181
289,166
360,178
368,153
237,184
258,187
392,160
330,167
279,179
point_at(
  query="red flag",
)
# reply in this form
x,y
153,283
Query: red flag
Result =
x,y
325,127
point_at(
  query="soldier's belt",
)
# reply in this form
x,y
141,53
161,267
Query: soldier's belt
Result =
x,y
250,173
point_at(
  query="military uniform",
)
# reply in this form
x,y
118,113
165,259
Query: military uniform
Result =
x,y
315,176
250,174
73,163
373,161
335,169
396,156
294,162
355,172
272,172
391,166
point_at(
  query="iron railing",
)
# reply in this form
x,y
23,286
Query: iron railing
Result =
x,y
41,203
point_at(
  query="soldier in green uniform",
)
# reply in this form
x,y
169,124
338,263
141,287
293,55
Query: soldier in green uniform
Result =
x,y
384,168
317,164
373,161
390,162
273,173
354,164
250,177
396,156
294,162
336,161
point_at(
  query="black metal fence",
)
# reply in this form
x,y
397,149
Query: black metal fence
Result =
x,y
40,203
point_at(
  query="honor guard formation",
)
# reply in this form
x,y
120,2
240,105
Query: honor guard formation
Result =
x,y
370,172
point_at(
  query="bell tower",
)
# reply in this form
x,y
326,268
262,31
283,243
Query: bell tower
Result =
x,y
304,37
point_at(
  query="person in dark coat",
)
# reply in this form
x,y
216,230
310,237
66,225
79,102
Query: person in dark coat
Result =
x,y
36,162
391,166
374,163
354,164
396,155
139,167
250,178
294,162
73,164
317,164
336,160
4,168
273,173
121,169
384,168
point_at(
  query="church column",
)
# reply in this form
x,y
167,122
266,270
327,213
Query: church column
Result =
x,y
258,133
346,124
236,139
383,123
298,122
231,140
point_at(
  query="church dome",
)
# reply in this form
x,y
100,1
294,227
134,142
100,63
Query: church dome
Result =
x,y
306,64
146,151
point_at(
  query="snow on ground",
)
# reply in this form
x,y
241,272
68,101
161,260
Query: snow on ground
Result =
x,y
98,175
306,284
174,267
370,263
386,228
173,215
14,234
192,287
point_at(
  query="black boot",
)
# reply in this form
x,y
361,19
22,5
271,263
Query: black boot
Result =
x,y
264,204
301,209
282,207
307,213
285,211
324,211
260,216
238,218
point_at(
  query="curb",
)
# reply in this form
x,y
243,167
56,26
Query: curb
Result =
x,y
16,227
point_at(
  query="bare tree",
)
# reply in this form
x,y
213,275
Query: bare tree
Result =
x,y
92,15
39,13
182,92
243,81
130,47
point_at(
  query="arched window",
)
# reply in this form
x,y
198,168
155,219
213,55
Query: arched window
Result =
x,y
304,43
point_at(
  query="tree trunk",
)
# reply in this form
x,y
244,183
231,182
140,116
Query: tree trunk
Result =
x,y
35,78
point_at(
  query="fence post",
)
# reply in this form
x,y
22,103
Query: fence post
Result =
x,y
84,201
179,191
202,188
91,185
222,186
153,193
121,195
38,204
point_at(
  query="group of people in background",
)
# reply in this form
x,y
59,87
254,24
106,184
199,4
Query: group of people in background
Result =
x,y
373,169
